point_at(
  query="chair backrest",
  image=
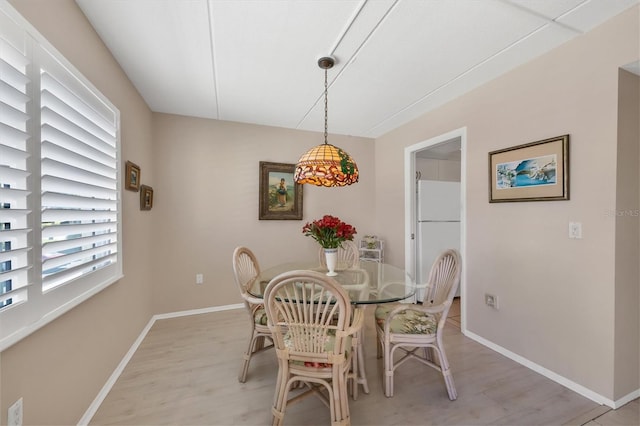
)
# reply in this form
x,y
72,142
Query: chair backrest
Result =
x,y
444,278
245,268
348,256
305,311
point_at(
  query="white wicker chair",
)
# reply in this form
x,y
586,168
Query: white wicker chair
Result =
x,y
245,270
312,323
411,327
348,256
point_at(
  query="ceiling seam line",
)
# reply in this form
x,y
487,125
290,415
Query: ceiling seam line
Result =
x,y
355,53
213,59
347,28
331,52
459,76
546,18
364,42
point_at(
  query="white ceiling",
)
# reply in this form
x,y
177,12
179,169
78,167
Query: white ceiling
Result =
x,y
255,61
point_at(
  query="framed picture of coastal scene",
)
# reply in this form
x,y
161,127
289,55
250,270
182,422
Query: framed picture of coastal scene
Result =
x,y
280,198
536,171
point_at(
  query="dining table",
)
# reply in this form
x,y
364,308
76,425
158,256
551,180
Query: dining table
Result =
x,y
369,283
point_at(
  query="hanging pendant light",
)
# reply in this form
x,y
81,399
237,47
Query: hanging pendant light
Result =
x,y
326,164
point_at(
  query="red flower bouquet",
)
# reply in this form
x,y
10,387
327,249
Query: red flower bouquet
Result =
x,y
329,231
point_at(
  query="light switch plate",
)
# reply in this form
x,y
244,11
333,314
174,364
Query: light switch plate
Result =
x,y
575,230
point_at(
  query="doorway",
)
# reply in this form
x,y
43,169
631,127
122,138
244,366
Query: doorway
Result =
x,y
439,158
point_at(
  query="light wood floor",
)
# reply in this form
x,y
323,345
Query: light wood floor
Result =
x,y
185,373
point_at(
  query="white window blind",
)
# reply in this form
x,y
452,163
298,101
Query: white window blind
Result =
x,y
15,259
59,179
79,181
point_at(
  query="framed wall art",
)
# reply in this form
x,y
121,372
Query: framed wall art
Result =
x,y
132,176
280,198
536,171
146,197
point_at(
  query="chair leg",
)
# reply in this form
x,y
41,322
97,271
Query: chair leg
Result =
x,y
339,400
354,368
378,343
451,387
280,397
362,374
388,369
260,342
242,377
447,374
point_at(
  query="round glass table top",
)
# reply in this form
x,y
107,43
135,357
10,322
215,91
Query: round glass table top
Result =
x,y
370,283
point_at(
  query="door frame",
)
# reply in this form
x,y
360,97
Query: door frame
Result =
x,y
410,206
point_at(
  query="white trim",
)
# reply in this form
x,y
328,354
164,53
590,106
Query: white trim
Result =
x,y
409,207
626,399
587,393
93,408
198,311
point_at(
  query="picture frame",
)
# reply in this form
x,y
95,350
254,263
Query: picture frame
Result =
x,y
280,198
132,176
146,197
536,171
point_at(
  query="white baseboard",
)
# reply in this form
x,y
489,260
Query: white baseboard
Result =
x,y
93,408
587,393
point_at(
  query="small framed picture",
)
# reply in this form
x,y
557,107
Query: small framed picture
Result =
x,y
280,197
146,197
132,176
536,171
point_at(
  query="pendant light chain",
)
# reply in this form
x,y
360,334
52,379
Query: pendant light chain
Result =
x,y
326,108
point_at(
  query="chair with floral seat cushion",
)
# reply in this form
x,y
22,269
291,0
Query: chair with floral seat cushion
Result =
x,y
411,327
312,324
348,256
245,270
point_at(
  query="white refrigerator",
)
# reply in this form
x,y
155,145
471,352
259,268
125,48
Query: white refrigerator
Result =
x,y
438,226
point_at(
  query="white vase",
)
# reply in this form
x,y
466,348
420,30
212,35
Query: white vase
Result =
x,y
331,258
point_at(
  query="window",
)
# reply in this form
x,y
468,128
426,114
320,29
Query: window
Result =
x,y
59,183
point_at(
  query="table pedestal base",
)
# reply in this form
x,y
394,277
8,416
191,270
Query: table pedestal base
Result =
x,y
358,373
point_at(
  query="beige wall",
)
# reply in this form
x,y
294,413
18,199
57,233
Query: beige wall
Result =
x,y
60,369
627,293
206,204
557,296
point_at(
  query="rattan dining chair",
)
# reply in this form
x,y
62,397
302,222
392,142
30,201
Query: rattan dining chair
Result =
x,y
312,323
412,327
245,270
348,256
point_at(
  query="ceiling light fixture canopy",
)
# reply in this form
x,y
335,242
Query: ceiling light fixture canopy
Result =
x,y
326,164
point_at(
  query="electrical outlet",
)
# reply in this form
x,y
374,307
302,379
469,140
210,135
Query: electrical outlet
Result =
x,y
199,278
14,416
491,300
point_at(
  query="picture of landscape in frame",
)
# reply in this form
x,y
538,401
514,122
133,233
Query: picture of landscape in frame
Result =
x,y
536,171
527,172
